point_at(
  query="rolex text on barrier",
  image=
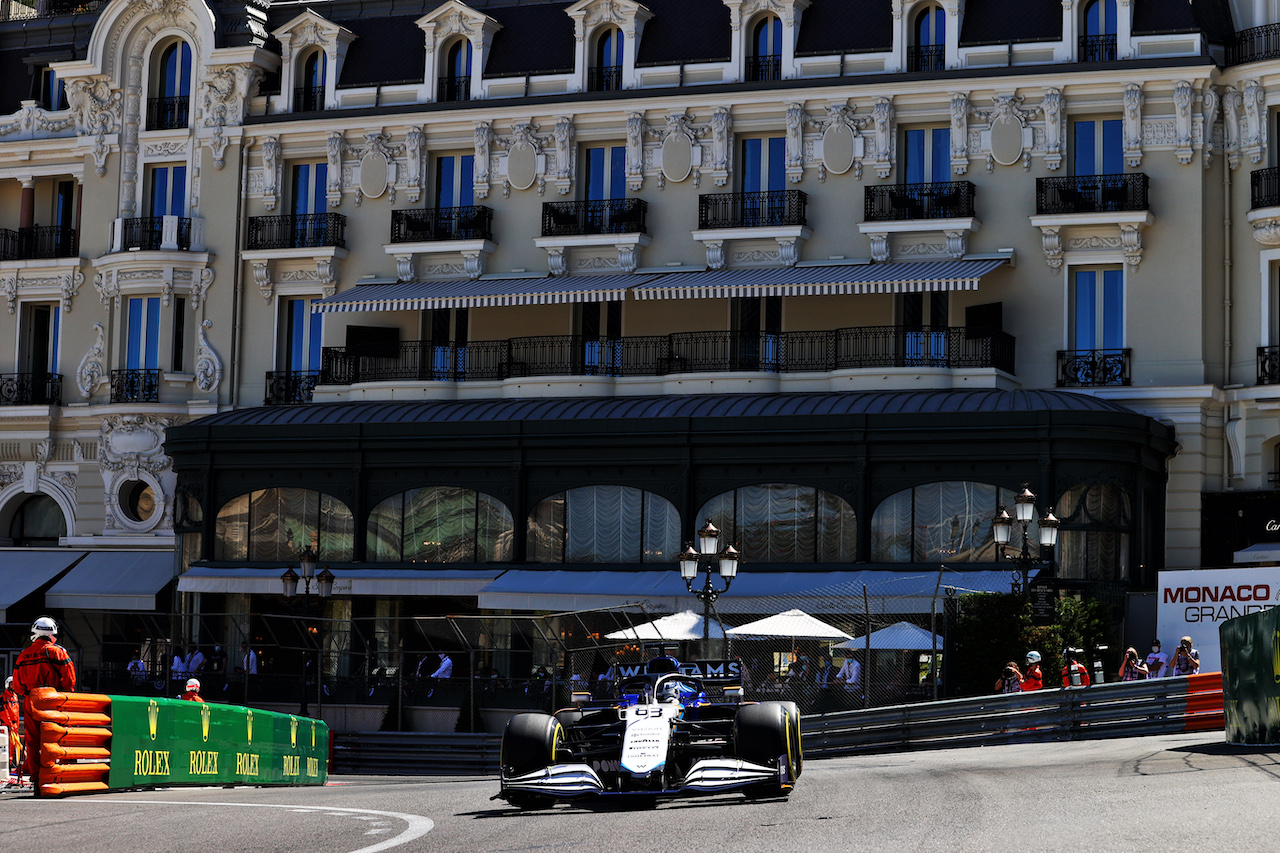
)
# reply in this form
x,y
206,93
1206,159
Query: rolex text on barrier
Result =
x,y
1251,677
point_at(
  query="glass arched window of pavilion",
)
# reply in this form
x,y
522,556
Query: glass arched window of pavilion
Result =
x,y
765,61
309,96
455,82
947,522
279,524
606,74
785,523
604,524
440,524
170,104
38,521
1098,44
929,36
1096,532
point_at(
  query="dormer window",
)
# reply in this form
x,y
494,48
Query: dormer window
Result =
x,y
309,97
929,53
1098,44
171,104
47,90
455,78
765,63
606,75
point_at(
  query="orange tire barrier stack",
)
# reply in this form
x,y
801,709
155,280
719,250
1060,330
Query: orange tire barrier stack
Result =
x,y
1204,703
75,741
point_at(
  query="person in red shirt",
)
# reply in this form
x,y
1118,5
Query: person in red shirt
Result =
x,y
193,691
1033,679
9,719
1074,674
44,663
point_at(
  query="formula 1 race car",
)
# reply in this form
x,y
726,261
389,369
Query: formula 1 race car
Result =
x,y
658,736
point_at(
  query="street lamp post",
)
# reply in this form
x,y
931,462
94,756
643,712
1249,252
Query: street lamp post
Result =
x,y
710,560
1023,560
324,588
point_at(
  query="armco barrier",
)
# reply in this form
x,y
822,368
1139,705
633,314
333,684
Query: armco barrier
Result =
x,y
416,753
91,742
1130,709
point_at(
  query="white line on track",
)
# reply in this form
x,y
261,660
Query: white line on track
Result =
x,y
418,825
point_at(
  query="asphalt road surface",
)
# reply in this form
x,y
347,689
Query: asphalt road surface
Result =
x,y
1173,792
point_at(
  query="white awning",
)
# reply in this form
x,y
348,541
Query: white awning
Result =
x,y
481,293
826,280
1262,552
385,582
23,572
114,580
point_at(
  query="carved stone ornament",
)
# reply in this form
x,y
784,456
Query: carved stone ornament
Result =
x,y
132,444
208,365
680,153
1051,107
883,116
1133,99
1008,140
721,145
414,146
200,286
1208,119
98,110
480,163
270,171
1231,101
1183,95
92,367
960,132
795,142
1267,231
1254,101
842,145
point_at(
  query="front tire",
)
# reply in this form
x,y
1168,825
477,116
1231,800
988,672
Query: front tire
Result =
x,y
769,734
529,743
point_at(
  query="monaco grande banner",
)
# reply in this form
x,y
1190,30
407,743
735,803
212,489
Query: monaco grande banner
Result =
x,y
170,742
1195,604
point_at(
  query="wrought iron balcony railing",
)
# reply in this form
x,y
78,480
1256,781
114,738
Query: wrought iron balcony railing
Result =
x,y
135,386
297,231
308,99
660,355
1264,188
38,242
1269,365
1254,45
18,10
927,57
611,216
417,225
287,387
752,210
30,389
146,233
167,113
898,202
1097,49
604,78
454,88
763,69
1092,367
1092,194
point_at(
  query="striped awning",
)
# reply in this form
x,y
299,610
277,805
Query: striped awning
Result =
x,y
838,279
481,293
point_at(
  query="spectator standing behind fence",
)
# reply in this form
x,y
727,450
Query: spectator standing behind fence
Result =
x,y
1074,674
1132,667
195,661
136,669
248,660
1157,661
1033,678
850,674
1186,660
178,668
827,673
445,669
1010,681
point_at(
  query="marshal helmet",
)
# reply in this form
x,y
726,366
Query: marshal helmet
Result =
x,y
44,627
1033,657
193,685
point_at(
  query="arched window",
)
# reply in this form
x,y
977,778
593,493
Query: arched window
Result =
x,y
38,521
440,524
1097,527
765,61
455,79
606,75
929,53
940,523
785,523
309,96
279,524
1098,44
171,103
604,524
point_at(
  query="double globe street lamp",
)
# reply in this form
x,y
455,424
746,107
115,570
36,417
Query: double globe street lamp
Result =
x,y
710,560
1023,560
324,588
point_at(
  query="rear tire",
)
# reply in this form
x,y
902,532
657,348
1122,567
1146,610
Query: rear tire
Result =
x,y
769,733
529,743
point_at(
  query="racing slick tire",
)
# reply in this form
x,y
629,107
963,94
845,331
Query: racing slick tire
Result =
x,y
768,733
529,743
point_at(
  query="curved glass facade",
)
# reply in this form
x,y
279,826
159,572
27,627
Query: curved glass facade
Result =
x,y
604,524
279,524
440,524
785,523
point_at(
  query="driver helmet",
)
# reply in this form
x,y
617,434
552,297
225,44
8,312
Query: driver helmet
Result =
x,y
1033,657
44,627
193,685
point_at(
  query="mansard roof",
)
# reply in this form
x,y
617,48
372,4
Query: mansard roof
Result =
x,y
997,21
385,50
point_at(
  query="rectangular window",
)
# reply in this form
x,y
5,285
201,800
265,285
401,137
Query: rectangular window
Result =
x,y
303,335
454,181
64,205
41,326
1097,309
168,190
46,89
1099,147
764,164
179,334
143,333
604,173
926,156
309,185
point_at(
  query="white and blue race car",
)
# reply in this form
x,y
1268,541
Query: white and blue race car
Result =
x,y
659,736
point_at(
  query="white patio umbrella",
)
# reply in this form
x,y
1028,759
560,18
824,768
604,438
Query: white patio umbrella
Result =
x,y
899,635
686,625
795,624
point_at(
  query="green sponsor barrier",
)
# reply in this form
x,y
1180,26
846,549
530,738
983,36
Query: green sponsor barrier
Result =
x,y
1251,677
171,742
